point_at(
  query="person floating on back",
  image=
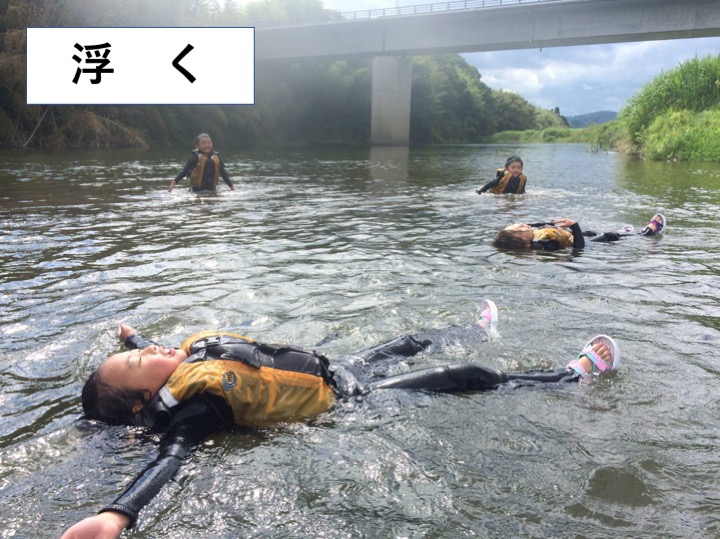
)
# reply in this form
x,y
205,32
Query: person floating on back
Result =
x,y
507,180
218,380
563,233
204,168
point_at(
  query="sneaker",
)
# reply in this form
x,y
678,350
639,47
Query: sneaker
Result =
x,y
626,229
656,226
488,316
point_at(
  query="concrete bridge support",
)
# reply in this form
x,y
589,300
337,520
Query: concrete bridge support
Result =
x,y
390,116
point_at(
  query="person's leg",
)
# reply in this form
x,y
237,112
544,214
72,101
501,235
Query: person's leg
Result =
x,y
465,377
599,356
607,237
411,345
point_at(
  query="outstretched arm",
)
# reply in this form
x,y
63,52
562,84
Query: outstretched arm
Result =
x,y
122,513
498,176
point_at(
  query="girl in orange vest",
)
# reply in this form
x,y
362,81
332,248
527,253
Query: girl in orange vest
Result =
x,y
507,180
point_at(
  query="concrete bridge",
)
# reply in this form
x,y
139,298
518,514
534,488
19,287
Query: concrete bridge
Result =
x,y
473,26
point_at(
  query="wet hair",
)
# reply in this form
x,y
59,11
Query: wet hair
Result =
x,y
513,159
108,403
509,239
201,135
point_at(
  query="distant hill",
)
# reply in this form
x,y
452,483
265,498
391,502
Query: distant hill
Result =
x,y
583,120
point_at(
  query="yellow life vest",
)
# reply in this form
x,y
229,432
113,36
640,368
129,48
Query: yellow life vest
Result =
x,y
499,189
258,396
563,236
196,175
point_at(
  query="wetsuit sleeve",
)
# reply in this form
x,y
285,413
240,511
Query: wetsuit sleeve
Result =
x,y
176,446
138,341
578,238
224,175
191,164
498,176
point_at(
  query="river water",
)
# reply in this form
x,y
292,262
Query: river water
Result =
x,y
352,247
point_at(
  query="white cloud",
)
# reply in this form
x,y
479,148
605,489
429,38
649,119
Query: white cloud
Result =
x,y
588,78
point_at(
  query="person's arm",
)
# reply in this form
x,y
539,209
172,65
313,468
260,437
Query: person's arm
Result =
x,y
191,164
123,512
225,176
578,238
132,339
498,176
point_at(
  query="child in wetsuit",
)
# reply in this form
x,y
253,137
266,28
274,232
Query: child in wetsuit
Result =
x,y
216,380
508,180
203,168
564,233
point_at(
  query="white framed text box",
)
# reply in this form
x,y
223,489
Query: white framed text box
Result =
x,y
134,66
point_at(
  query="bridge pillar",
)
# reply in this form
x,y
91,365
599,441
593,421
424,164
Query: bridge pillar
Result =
x,y
390,116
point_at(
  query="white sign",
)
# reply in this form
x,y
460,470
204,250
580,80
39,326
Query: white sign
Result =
x,y
140,66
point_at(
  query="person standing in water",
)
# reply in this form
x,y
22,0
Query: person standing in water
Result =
x,y
204,168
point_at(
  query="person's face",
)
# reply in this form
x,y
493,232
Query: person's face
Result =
x,y
142,370
205,145
514,168
523,231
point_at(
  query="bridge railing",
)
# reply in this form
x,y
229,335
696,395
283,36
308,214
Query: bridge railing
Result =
x,y
397,11
421,9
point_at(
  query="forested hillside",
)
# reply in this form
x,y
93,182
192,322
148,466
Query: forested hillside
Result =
x,y
296,102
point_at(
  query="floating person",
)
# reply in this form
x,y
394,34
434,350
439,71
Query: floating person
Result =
x,y
507,180
204,168
221,380
563,233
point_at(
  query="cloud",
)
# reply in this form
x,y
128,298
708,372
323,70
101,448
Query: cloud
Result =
x,y
587,78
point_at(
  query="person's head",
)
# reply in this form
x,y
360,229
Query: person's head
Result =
x,y
204,143
127,381
514,165
516,236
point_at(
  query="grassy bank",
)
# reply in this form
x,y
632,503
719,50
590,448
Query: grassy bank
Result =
x,y
600,137
675,117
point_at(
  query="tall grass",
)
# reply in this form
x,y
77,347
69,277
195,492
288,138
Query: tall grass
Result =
x,y
684,136
694,85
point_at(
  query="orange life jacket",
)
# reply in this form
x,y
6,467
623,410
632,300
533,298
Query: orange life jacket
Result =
x,y
196,175
499,189
258,382
563,236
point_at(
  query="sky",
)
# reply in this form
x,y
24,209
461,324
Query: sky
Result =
x,y
578,80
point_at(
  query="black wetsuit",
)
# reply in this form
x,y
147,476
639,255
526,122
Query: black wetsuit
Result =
x,y
208,177
193,420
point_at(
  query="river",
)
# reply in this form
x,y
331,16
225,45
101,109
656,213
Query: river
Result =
x,y
352,247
